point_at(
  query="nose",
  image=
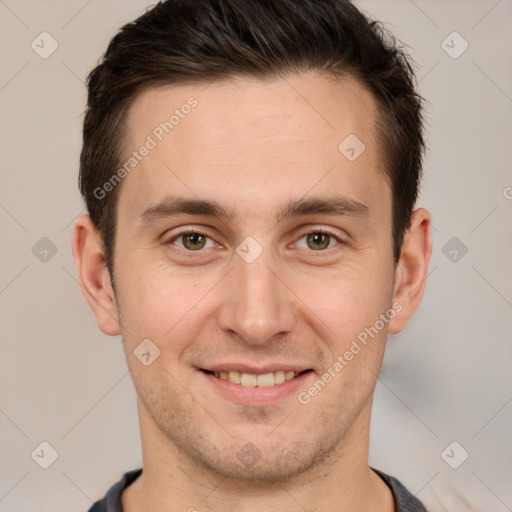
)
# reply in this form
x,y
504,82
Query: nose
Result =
x,y
257,305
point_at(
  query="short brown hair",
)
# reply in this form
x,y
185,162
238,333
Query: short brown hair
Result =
x,y
190,41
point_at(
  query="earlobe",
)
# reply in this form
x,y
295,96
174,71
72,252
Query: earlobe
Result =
x,y
93,275
412,268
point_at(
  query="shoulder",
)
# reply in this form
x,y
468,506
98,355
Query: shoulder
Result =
x,y
404,500
112,500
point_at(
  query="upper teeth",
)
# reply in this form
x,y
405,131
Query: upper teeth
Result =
x,y
252,380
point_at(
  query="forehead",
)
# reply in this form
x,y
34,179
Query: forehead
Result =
x,y
252,140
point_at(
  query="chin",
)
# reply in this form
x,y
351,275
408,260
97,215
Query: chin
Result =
x,y
266,465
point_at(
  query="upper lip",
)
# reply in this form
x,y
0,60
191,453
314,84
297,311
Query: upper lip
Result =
x,y
256,370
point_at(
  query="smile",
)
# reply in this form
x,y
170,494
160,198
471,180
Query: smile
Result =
x,y
256,380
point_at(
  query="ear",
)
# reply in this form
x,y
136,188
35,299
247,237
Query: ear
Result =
x,y
93,275
411,270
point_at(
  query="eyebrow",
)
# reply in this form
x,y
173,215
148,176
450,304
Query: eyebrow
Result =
x,y
337,205
172,206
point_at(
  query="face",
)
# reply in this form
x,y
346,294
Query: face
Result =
x,y
250,248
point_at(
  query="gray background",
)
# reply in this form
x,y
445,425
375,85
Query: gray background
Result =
x,y
445,379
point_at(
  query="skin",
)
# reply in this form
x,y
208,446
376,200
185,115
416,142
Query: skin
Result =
x,y
255,146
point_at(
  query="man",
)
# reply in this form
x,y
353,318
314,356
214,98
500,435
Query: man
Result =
x,y
250,169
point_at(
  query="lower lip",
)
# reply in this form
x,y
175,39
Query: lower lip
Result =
x,y
257,395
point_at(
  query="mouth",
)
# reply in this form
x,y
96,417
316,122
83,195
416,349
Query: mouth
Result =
x,y
254,380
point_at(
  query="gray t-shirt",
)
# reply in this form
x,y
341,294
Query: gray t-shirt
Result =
x,y
404,500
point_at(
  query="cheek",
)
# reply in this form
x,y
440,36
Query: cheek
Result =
x,y
157,303
347,302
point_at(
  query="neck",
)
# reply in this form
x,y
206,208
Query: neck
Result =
x,y
171,481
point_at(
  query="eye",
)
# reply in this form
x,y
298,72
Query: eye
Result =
x,y
317,241
192,241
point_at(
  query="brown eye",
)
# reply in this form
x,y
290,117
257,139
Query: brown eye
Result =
x,y
318,241
191,244
193,241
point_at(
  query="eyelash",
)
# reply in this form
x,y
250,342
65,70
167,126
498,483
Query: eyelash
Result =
x,y
187,232
196,232
321,231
